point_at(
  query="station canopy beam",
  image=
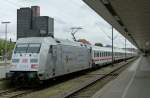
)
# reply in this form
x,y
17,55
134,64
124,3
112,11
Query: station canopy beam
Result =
x,y
130,17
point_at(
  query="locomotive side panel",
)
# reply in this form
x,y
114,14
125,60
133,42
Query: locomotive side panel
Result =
x,y
72,59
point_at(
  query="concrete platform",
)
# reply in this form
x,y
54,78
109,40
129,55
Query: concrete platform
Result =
x,y
132,83
3,69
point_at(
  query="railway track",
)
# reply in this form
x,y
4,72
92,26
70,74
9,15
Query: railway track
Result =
x,y
89,90
14,93
83,86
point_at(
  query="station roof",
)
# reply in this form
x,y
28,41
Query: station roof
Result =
x,y
130,17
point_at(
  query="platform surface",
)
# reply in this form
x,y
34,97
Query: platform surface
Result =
x,y
3,69
134,82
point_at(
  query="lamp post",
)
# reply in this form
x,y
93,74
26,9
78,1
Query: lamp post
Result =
x,y
5,23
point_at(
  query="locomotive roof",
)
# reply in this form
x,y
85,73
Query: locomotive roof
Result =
x,y
49,40
56,41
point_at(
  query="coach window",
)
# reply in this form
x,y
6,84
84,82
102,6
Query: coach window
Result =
x,y
94,53
103,54
50,49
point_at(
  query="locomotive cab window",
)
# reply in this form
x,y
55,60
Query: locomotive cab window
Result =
x,y
21,48
27,48
33,48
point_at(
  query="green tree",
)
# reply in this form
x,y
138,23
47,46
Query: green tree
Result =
x,y
99,44
10,47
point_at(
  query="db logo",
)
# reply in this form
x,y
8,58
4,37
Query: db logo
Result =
x,y
24,60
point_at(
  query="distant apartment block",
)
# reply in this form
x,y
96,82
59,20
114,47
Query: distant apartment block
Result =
x,y
31,24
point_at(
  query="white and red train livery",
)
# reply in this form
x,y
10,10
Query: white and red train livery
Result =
x,y
43,58
103,55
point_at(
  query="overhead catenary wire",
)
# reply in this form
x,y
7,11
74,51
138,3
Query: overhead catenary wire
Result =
x,y
114,38
110,37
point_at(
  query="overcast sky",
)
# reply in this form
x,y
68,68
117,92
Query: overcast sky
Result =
x,y
67,14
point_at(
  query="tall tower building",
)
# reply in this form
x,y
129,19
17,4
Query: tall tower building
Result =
x,y
31,24
44,25
35,11
24,17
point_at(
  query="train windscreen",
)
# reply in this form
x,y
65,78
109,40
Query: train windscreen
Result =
x,y
33,48
21,48
27,48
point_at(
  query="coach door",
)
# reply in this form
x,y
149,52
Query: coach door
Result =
x,y
54,58
90,56
57,59
59,65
